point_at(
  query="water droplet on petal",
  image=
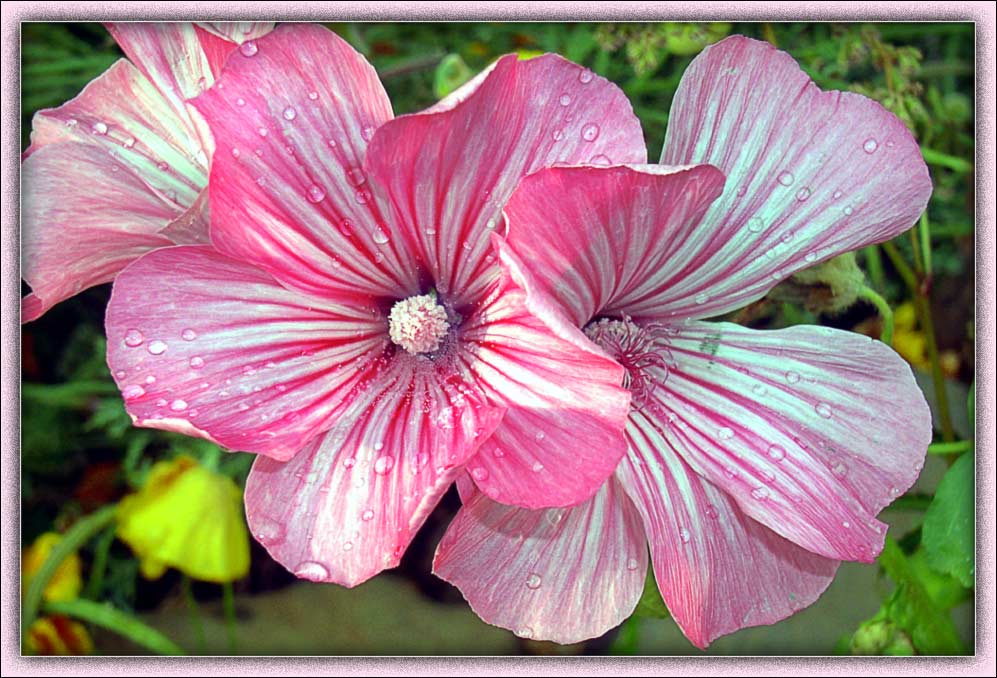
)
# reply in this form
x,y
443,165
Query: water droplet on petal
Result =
x,y
590,132
178,405
534,581
810,257
558,134
129,142
379,236
315,193
564,100
348,546
479,473
368,132
600,160
383,464
725,433
839,469
188,335
99,128
793,377
803,194
133,391
632,564
311,570
367,515
823,409
289,113
760,493
356,176
197,362
870,145
847,211
756,225
702,298
684,535
313,95
537,467
157,347
585,76
712,511
134,338
776,452
786,178
248,48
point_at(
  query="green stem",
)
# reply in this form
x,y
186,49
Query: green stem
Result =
x,y
956,447
924,230
99,566
923,307
195,615
874,264
885,312
113,619
228,604
954,163
78,535
903,269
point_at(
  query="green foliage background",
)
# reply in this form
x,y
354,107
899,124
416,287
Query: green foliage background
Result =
x,y
79,450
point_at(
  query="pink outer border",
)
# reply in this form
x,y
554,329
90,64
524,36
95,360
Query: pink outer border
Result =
x,y
983,13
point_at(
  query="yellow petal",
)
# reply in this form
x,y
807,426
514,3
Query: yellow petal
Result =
x,y
187,517
58,635
66,583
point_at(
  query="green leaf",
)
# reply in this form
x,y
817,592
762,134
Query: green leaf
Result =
x,y
450,74
113,619
651,604
947,535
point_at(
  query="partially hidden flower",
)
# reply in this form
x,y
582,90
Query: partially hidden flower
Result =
x,y
121,169
351,323
55,634
58,635
67,581
757,460
187,517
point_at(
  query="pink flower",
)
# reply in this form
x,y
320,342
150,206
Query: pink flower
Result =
x,y
757,460
351,324
121,169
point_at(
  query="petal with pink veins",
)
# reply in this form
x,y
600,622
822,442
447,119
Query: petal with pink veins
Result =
x,y
810,175
205,345
348,505
811,430
603,239
445,176
562,433
564,575
717,569
289,192
85,217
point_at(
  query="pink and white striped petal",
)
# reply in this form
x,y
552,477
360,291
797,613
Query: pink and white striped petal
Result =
x,y
237,32
348,505
446,175
604,239
564,575
208,346
811,430
717,569
291,117
810,175
85,217
562,433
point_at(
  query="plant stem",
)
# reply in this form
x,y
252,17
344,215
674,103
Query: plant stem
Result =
x,y
96,581
228,603
957,447
195,615
952,162
885,312
874,264
924,230
78,535
113,619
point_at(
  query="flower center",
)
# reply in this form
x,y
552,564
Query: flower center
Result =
x,y
642,351
418,324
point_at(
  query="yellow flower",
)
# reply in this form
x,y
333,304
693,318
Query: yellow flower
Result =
x,y
908,341
187,517
58,635
66,583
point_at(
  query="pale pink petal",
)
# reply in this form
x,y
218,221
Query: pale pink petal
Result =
x,y
602,239
238,31
209,346
291,116
717,569
128,119
84,218
810,175
347,506
562,433
191,227
446,176
811,430
564,575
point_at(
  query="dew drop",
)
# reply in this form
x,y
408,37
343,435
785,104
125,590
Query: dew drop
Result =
x,y
368,132
810,257
129,142
132,392
702,298
313,95
315,193
684,535
776,453
725,433
534,581
839,469
240,102
379,236
793,377
349,462
178,405
383,464
157,347
632,564
803,194
480,474
367,515
847,211
236,152
197,362
756,225
760,493
823,409
348,546
836,195
590,132
585,76
346,228
134,338
564,100
537,467
289,113
540,435
99,128
786,178
356,176
188,335
870,145
558,134
600,160
310,569
248,48
712,511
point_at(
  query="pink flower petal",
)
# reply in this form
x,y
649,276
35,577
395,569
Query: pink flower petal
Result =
x,y
561,574
604,239
291,116
347,506
717,569
84,219
238,31
562,433
811,430
447,175
810,175
212,347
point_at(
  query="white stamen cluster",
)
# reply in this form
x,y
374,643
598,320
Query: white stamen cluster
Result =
x,y
418,324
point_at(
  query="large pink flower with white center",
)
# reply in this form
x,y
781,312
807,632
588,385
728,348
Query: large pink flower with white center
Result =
x,y
757,460
121,169
351,324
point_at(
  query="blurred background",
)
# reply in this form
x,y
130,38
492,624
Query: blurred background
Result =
x,y
107,594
